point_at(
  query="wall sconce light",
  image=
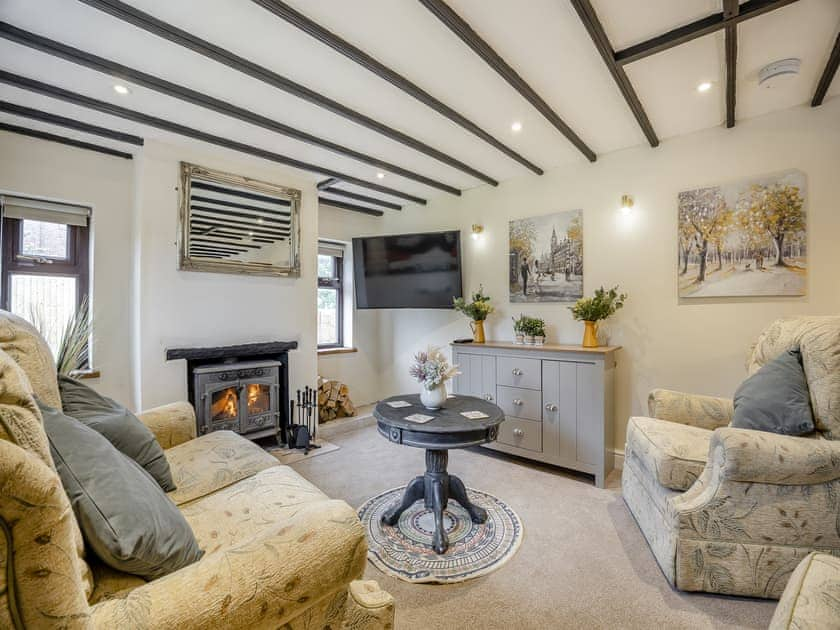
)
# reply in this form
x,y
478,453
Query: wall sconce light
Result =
x,y
477,231
626,204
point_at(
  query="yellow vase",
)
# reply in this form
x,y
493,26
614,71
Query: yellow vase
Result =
x,y
477,327
590,335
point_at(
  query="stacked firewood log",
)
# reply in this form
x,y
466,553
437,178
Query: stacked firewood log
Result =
x,y
333,400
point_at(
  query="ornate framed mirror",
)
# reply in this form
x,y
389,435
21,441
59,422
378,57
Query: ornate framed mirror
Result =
x,y
233,224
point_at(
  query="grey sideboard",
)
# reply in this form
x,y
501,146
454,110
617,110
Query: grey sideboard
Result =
x,y
558,400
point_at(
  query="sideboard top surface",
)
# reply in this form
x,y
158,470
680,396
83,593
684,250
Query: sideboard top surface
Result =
x,y
548,347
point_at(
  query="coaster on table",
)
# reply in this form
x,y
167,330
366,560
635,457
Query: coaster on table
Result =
x,y
419,417
396,404
474,415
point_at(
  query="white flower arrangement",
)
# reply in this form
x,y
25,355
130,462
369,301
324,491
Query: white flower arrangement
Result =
x,y
431,369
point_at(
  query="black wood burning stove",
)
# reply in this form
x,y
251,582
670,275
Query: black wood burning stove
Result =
x,y
241,397
239,388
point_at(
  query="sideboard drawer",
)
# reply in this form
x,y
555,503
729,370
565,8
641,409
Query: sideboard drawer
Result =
x,y
521,433
520,402
519,372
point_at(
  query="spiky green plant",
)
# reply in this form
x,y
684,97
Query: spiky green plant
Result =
x,y
75,340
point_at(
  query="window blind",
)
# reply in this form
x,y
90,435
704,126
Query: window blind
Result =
x,y
326,248
15,207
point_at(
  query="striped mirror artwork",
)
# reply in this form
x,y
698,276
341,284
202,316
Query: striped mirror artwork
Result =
x,y
235,224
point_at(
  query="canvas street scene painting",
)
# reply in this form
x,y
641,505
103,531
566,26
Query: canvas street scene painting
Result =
x,y
744,239
546,258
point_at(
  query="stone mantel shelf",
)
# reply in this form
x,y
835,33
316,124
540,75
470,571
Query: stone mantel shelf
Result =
x,y
547,347
250,350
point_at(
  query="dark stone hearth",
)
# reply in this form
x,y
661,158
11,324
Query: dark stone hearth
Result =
x,y
232,353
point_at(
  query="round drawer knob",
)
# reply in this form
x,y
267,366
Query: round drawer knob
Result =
x,y
518,432
517,402
516,372
550,407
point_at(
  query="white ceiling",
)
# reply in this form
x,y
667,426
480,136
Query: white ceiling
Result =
x,y
543,40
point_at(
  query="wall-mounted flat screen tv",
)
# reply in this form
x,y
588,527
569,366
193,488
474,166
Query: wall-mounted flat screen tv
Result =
x,y
407,270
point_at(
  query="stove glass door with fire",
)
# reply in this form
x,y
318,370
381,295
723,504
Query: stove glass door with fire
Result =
x,y
242,397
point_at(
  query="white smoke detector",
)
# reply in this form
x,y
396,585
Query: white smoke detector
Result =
x,y
777,72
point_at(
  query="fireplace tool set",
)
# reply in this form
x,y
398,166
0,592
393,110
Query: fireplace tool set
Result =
x,y
302,433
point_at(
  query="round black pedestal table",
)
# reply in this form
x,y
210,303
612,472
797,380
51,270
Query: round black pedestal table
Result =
x,y
448,430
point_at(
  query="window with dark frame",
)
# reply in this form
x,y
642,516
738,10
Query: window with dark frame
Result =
x,y
45,262
330,295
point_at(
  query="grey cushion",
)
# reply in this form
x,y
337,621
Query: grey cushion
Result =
x,y
125,517
119,426
776,398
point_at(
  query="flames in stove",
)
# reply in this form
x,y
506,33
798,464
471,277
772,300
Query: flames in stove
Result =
x,y
225,405
257,398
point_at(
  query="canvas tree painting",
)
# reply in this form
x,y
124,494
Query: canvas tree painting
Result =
x,y
744,239
546,258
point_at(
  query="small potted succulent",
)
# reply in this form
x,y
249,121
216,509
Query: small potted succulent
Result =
x,y
593,309
534,330
517,329
477,311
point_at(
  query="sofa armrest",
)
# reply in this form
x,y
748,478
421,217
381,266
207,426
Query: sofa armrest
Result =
x,y
706,412
760,457
172,424
264,582
44,581
368,607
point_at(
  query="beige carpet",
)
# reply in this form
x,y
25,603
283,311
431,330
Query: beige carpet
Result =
x,y
583,562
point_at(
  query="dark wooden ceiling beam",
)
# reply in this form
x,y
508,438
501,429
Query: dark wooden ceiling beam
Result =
x,y
335,203
602,43
698,28
167,88
827,75
325,36
237,214
178,36
730,10
51,137
69,123
222,224
351,195
327,183
166,125
467,34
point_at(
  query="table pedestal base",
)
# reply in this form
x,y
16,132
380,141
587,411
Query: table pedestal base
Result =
x,y
435,487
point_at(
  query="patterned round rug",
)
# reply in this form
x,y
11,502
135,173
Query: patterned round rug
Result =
x,y
405,551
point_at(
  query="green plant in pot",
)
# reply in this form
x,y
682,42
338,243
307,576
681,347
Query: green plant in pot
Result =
x,y
518,331
533,328
593,309
477,310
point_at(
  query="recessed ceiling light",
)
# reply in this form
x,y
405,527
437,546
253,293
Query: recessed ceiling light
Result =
x,y
119,88
380,175
704,87
516,126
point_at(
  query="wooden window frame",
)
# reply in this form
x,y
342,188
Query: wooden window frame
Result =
x,y
336,283
76,265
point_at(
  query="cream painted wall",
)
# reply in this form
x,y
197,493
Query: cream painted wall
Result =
x,y
142,303
358,370
687,345
47,169
181,308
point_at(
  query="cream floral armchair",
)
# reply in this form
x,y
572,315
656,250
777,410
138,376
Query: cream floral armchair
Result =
x,y
734,511
278,551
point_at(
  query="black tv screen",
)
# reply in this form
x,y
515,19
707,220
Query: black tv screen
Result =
x,y
407,270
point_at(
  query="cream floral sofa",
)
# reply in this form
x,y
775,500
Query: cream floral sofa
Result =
x,y
811,600
279,553
734,511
